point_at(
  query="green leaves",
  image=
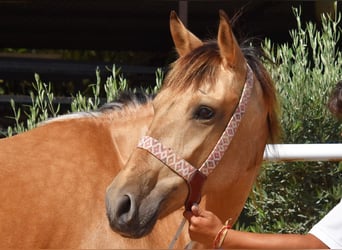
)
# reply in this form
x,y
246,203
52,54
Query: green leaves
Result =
x,y
291,197
306,72
42,108
44,105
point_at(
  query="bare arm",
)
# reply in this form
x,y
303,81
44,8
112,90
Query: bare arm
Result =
x,y
237,239
204,225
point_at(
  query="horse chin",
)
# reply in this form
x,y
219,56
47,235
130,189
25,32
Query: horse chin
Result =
x,y
135,232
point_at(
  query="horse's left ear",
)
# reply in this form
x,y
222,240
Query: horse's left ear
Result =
x,y
229,48
184,40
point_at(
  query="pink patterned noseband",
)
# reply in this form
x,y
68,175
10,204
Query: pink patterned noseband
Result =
x,y
195,177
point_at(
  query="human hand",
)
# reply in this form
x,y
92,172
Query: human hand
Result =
x,y
203,225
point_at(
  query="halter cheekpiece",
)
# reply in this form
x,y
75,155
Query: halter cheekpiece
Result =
x,y
194,177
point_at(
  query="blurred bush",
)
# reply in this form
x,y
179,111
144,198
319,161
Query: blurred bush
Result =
x,y
291,197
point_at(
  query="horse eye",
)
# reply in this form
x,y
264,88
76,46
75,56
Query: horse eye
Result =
x,y
204,113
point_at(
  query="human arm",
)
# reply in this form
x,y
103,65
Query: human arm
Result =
x,y
204,226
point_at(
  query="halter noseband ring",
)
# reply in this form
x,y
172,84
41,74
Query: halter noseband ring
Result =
x,y
194,177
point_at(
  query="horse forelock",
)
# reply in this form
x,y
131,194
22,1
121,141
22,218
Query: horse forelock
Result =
x,y
192,70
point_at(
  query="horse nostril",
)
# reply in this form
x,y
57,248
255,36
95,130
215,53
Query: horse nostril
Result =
x,y
125,210
124,205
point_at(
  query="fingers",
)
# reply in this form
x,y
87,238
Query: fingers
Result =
x,y
195,209
195,212
203,225
196,216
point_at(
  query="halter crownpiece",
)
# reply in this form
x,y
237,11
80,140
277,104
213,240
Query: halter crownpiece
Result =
x,y
222,145
195,177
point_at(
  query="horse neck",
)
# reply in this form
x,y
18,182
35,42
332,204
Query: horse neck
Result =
x,y
228,203
127,127
229,187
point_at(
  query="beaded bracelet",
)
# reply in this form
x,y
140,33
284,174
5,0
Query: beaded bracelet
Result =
x,y
221,235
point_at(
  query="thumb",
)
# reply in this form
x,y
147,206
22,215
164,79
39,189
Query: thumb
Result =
x,y
196,210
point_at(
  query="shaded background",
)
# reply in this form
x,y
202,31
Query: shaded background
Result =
x,y
65,40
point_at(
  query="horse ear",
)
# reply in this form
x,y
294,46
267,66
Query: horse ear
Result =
x,y
183,39
229,48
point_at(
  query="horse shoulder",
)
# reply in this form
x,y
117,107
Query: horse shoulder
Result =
x,y
52,177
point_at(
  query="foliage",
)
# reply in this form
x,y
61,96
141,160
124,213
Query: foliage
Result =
x,y
291,197
43,106
114,84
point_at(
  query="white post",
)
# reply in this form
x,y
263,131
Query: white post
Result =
x,y
303,152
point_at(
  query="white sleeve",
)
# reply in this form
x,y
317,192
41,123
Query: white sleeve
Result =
x,y
329,229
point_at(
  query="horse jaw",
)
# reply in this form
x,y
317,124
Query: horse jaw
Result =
x,y
134,208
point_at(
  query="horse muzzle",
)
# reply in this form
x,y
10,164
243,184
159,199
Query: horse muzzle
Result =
x,y
129,216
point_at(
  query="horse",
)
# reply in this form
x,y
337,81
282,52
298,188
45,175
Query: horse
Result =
x,y
198,105
53,180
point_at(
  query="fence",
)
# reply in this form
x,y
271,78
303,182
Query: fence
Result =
x,y
303,152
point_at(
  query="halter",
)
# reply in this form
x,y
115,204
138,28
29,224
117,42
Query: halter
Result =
x,y
195,177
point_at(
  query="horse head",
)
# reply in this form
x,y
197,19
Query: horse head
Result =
x,y
200,96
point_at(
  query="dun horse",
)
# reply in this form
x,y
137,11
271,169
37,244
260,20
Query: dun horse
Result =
x,y
53,178
53,181
212,120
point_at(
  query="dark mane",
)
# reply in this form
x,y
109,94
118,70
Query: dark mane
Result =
x,y
253,56
125,99
198,66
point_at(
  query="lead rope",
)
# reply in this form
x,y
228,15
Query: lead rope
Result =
x,y
178,232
